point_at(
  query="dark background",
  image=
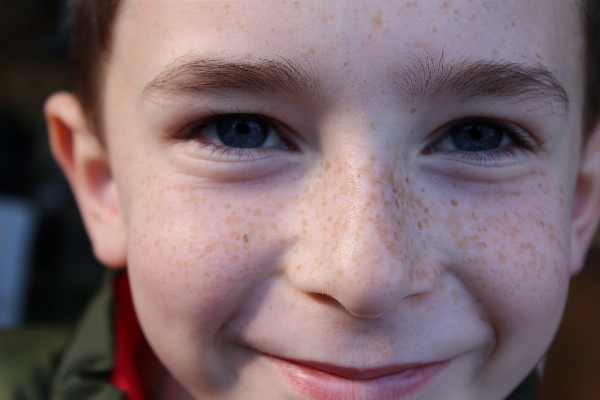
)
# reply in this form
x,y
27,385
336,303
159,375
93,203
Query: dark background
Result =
x,y
33,64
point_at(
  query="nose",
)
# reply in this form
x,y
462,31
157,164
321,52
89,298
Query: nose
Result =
x,y
361,244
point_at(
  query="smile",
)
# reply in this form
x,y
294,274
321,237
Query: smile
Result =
x,y
321,381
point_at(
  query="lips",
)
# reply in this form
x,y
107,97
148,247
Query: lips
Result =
x,y
322,381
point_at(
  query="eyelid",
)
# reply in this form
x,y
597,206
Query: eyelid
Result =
x,y
211,117
521,139
191,132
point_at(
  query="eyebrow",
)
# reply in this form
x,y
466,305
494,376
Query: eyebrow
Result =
x,y
470,79
418,79
256,76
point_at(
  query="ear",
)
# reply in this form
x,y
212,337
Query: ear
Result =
x,y
586,205
84,161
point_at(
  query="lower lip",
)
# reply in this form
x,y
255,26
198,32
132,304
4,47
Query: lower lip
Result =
x,y
318,384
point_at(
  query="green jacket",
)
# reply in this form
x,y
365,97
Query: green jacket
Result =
x,y
62,363
66,364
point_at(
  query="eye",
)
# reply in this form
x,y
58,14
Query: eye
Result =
x,y
239,131
482,136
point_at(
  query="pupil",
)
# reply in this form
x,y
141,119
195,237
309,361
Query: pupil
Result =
x,y
242,131
475,134
243,128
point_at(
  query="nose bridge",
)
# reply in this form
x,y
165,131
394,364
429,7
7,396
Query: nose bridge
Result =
x,y
368,218
365,260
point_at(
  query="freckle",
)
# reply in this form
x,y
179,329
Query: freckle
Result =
x,y
434,30
345,64
420,225
377,21
246,240
426,210
454,202
495,53
414,110
372,125
457,12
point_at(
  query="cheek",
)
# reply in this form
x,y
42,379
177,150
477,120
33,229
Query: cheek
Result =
x,y
196,253
512,252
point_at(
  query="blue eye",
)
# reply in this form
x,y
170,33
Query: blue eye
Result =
x,y
242,131
475,137
482,136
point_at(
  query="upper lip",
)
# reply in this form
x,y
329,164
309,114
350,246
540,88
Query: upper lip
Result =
x,y
361,373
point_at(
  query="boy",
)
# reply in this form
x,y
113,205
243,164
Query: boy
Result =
x,y
331,200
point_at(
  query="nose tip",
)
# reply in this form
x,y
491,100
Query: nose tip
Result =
x,y
376,294
367,279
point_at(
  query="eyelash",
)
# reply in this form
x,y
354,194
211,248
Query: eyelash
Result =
x,y
521,141
193,131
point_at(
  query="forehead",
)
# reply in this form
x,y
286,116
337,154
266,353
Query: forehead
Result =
x,y
364,37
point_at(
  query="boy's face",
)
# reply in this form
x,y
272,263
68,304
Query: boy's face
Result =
x,y
399,224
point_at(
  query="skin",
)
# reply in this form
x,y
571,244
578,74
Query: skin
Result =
x,y
356,245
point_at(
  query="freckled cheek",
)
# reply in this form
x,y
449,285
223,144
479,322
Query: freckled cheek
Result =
x,y
198,251
514,257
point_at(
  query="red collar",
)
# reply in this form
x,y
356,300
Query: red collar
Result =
x,y
133,357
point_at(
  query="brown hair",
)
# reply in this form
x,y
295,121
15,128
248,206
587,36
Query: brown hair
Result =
x,y
92,22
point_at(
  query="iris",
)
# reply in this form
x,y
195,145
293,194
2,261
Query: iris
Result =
x,y
243,131
476,137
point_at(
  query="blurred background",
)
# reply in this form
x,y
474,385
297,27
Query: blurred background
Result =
x,y
47,270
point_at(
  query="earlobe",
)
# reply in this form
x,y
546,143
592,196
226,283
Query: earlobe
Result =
x,y
84,161
586,205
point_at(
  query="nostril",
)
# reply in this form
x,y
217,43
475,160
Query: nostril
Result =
x,y
325,299
357,311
